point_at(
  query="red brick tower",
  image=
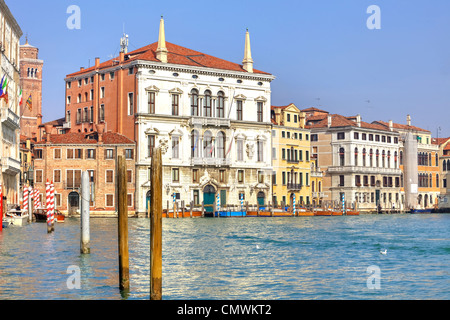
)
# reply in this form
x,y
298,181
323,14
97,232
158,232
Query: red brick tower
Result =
x,y
30,83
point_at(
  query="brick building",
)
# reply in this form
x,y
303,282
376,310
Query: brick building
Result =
x,y
31,84
62,158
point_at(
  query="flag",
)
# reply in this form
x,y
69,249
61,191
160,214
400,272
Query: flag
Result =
x,y
4,89
29,103
1,85
20,98
231,143
212,147
5,95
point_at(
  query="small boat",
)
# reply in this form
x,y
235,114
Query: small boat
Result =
x,y
421,210
16,217
323,213
352,213
5,223
59,216
41,215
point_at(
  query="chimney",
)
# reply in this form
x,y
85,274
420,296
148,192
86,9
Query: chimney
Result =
x,y
121,57
97,62
100,131
329,121
161,52
81,68
408,120
391,125
247,63
48,131
358,120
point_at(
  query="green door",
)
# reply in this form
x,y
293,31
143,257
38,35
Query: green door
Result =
x,y
209,196
261,198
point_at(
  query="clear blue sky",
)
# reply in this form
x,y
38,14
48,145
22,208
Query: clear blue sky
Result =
x,y
316,48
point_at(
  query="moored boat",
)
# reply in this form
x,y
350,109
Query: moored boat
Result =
x,y
421,210
16,217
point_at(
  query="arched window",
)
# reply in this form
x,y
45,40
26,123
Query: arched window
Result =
x,y
207,111
195,144
429,159
383,158
341,157
220,105
431,180
395,160
364,157
194,102
437,181
208,147
220,143
28,73
401,158
313,186
389,159
377,158
371,157
437,160
356,156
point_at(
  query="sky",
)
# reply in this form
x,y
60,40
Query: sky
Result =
x,y
321,51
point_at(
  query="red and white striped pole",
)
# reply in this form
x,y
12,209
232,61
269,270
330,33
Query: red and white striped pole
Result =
x,y
52,203
48,206
36,196
25,199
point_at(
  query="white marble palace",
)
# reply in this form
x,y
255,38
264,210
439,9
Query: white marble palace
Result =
x,y
212,119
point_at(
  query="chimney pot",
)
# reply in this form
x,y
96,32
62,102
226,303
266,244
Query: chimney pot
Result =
x,y
97,62
329,121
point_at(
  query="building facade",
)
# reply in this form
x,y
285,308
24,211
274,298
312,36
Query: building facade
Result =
x,y
359,160
31,85
62,158
211,118
291,157
10,34
419,162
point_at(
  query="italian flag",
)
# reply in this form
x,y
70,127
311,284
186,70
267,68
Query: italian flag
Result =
x,y
20,98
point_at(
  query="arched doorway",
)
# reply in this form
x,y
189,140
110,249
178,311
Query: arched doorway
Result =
x,y
209,196
73,202
261,198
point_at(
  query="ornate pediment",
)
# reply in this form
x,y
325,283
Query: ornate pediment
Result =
x,y
151,130
152,88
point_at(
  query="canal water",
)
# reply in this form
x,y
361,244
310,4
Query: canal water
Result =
x,y
291,258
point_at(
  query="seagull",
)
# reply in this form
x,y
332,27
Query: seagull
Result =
x,y
257,247
383,252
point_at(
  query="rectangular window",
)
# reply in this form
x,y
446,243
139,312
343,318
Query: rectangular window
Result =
x,y
151,145
109,176
129,154
260,177
175,175
39,176
196,197
57,154
175,147
111,75
91,95
57,175
341,180
341,135
101,113
102,92
260,150
195,175
69,153
240,150
90,153
259,112
109,154
129,200
130,103
175,104
129,176
78,116
151,102
78,153
73,179
240,176
314,137
102,77
222,176
239,111
110,200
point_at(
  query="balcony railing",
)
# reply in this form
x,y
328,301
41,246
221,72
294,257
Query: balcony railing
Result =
x,y
294,186
210,162
67,125
209,121
10,165
10,118
364,170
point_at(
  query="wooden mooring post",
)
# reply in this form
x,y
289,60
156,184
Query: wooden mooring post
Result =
x,y
124,268
156,226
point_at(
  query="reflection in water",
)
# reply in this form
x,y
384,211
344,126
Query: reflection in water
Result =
x,y
274,258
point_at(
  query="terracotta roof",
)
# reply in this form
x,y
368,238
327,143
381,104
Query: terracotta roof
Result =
x,y
338,120
176,55
87,138
313,109
54,123
283,107
400,126
439,141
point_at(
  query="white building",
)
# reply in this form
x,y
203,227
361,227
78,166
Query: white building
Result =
x,y
212,119
10,34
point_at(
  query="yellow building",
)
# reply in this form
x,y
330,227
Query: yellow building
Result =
x,y
291,156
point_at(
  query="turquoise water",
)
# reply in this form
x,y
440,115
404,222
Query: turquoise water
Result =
x,y
290,258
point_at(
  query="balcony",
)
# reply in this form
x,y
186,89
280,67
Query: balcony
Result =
x,y
67,125
10,118
364,170
294,186
316,173
218,162
209,122
10,166
318,195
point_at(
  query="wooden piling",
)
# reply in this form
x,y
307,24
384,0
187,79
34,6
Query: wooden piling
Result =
x,y
124,273
191,207
156,227
85,214
203,209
